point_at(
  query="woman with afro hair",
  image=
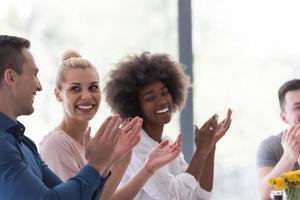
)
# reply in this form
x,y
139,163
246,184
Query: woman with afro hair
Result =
x,y
65,148
153,86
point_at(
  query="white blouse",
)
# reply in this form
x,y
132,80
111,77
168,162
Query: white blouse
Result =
x,y
171,182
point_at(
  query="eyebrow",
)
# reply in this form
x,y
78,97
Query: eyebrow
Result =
x,y
151,91
92,83
95,82
75,83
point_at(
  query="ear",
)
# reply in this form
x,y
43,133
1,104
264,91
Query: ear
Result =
x,y
57,94
9,77
283,117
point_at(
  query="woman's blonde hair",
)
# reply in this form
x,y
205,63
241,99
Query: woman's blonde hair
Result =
x,y
71,59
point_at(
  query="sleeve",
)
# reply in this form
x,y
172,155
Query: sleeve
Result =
x,y
269,152
51,151
18,181
164,185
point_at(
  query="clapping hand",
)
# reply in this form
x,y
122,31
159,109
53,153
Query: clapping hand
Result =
x,y
100,149
211,132
223,126
163,154
129,137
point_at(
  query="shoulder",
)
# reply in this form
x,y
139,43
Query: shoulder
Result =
x,y
8,147
269,151
271,141
54,139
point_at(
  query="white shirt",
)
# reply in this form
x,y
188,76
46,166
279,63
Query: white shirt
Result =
x,y
171,182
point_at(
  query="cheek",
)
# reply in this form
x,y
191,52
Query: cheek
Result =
x,y
68,101
98,97
295,114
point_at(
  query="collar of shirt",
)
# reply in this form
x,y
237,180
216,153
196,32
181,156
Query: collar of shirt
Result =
x,y
150,140
15,128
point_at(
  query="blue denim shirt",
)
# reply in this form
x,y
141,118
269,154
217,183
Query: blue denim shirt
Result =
x,y
23,175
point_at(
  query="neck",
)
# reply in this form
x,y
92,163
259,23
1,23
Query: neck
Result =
x,y
7,107
154,131
74,128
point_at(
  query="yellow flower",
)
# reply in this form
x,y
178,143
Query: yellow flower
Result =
x,y
277,183
292,176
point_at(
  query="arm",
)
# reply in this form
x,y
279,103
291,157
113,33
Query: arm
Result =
x,y
129,137
158,157
169,182
290,144
207,176
202,164
19,182
118,170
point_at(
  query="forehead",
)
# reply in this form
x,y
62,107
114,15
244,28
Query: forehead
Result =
x,y
155,85
81,75
292,97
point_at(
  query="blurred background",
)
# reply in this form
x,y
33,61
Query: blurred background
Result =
x,y
243,51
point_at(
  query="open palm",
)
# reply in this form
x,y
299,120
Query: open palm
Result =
x,y
129,137
163,154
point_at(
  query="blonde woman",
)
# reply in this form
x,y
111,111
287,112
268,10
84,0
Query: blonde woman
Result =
x,y
77,89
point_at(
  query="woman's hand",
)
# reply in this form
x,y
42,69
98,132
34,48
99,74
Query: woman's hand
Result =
x,y
163,154
129,138
211,132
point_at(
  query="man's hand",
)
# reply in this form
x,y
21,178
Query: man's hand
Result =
x,y
291,143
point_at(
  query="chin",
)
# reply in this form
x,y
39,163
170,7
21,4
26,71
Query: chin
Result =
x,y
87,117
28,111
165,122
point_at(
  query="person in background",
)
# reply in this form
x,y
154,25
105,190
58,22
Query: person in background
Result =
x,y
153,86
280,153
63,149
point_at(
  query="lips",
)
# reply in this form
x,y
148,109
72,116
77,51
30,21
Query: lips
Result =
x,y
85,107
162,111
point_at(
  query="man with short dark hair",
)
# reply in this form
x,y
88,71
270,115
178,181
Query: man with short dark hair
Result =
x,y
23,175
280,153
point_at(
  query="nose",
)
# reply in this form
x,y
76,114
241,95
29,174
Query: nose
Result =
x,y
39,85
162,102
85,94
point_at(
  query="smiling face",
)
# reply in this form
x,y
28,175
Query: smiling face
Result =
x,y
156,104
79,93
26,86
291,113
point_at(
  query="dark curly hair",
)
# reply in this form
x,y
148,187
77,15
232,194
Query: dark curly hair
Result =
x,y
135,72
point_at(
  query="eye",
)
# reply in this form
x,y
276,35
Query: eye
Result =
x,y
165,92
94,88
149,98
75,88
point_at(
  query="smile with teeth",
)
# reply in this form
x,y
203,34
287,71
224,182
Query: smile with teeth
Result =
x,y
162,111
85,107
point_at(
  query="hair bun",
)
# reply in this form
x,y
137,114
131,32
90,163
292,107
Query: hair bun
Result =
x,y
70,54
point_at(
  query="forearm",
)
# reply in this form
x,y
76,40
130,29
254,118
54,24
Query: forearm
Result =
x,y
133,186
197,164
284,165
118,171
207,175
